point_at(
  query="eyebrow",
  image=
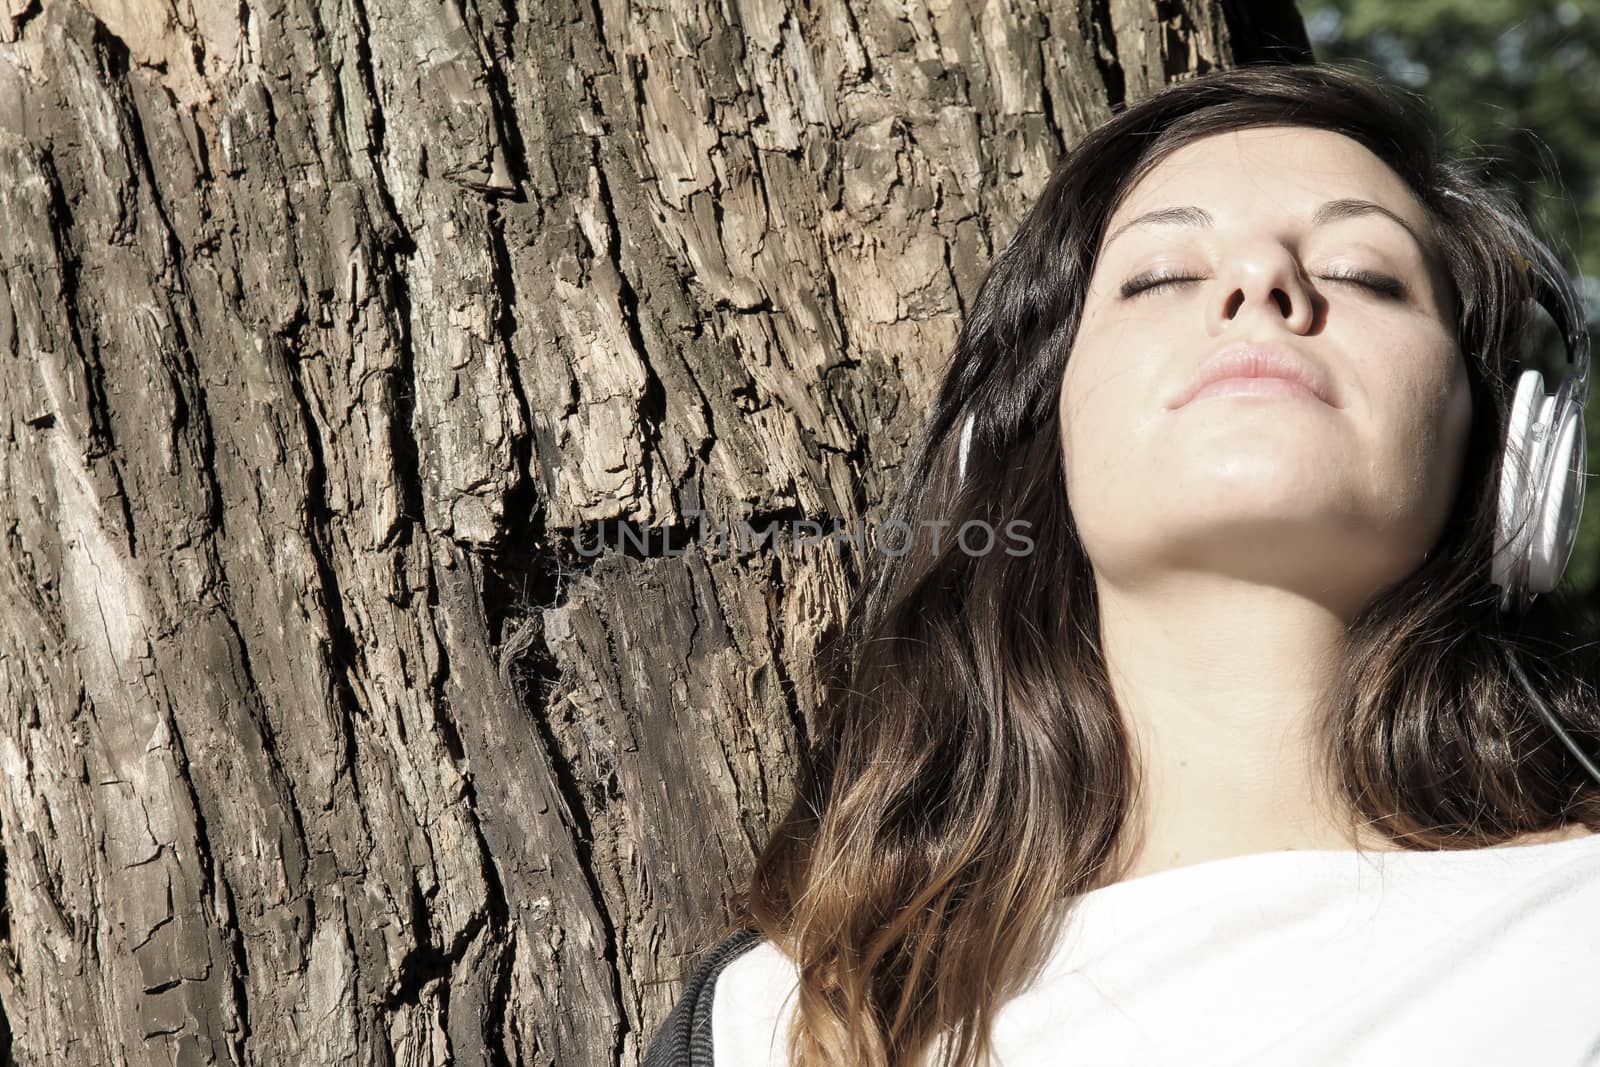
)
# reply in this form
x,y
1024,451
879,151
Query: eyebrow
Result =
x,y
1331,211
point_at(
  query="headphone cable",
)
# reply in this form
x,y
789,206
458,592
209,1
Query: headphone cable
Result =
x,y
1549,716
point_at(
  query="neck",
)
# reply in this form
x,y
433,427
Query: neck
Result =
x,y
1221,683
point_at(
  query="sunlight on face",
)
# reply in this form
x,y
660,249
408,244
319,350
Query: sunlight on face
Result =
x,y
1301,238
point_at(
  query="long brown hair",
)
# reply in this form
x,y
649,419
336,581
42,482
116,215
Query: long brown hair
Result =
x,y
970,772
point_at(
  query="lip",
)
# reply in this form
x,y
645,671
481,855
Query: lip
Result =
x,y
1258,360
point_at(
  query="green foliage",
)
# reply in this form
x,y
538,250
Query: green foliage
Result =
x,y
1517,83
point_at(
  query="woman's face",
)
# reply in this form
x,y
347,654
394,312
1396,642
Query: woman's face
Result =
x,y
1337,497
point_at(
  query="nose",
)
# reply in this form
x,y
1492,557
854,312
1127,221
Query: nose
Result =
x,y
1263,278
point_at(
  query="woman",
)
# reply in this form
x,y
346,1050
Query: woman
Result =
x,y
1233,766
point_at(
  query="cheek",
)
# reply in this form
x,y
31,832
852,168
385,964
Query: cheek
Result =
x,y
1455,426
1431,424
1101,422
1068,411
1081,436
1447,409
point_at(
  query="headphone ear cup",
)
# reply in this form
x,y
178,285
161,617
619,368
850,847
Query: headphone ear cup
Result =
x,y
1517,476
1559,502
966,446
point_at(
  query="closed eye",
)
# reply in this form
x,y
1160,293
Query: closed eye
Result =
x,y
1378,283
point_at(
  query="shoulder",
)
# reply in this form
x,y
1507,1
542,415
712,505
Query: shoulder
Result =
x,y
755,1001
685,1038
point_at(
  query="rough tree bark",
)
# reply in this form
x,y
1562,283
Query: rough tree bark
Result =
x,y
327,331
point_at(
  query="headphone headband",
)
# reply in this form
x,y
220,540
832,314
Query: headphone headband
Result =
x,y
1574,333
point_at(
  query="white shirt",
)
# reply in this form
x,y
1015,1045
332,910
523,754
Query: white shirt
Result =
x,y
1300,958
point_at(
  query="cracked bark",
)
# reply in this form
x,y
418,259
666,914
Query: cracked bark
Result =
x,y
327,332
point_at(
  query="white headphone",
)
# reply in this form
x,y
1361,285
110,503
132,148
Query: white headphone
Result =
x,y
1541,484
966,446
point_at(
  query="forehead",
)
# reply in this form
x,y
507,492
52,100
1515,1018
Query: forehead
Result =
x,y
1287,170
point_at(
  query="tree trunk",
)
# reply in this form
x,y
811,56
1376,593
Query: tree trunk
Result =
x,y
334,338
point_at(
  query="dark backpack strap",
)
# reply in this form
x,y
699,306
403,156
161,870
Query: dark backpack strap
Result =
x,y
684,1040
